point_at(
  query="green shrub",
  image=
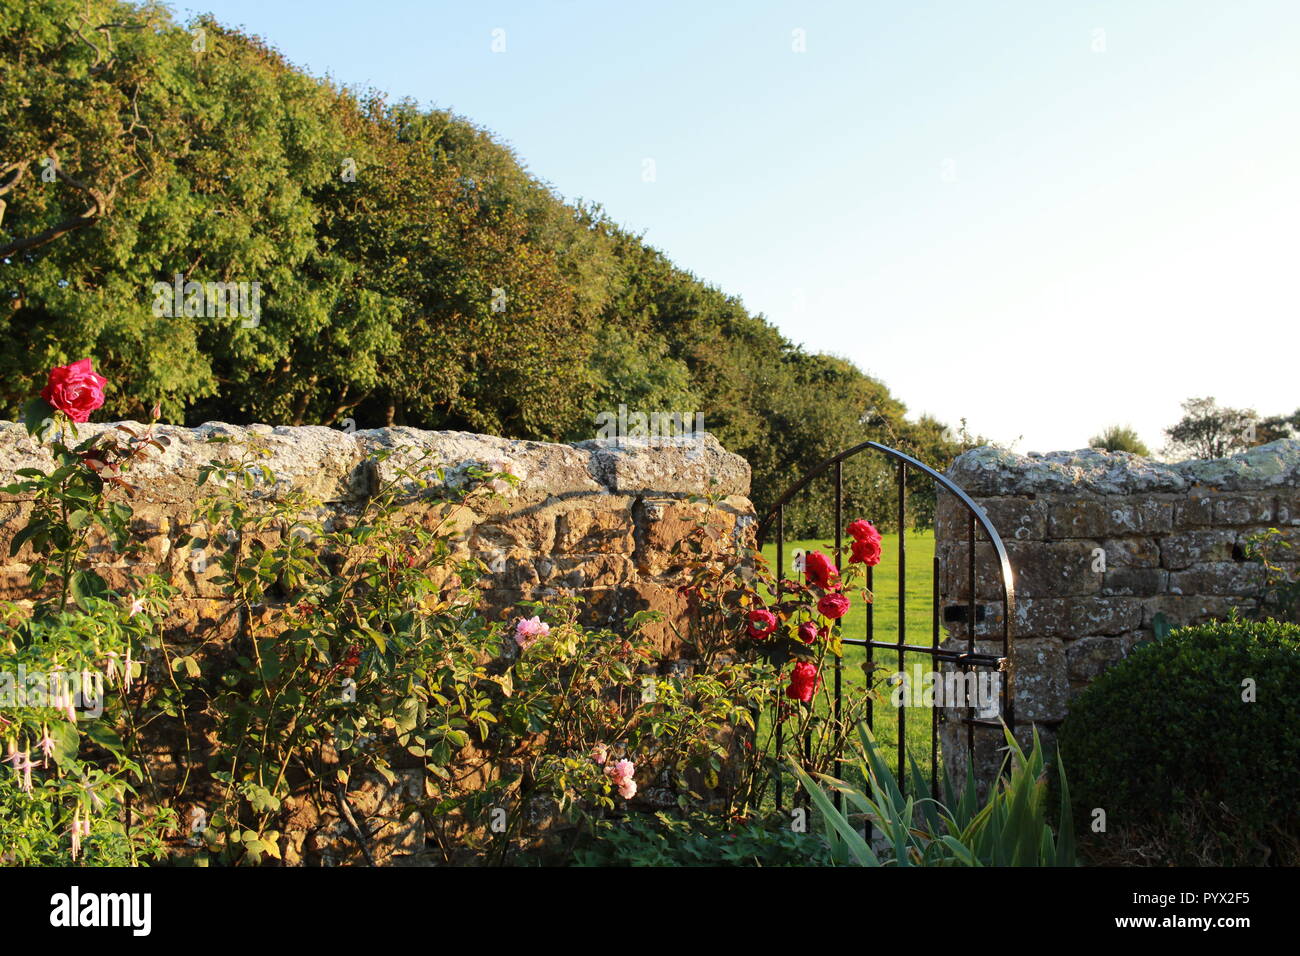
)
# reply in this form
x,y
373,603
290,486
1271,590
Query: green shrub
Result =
x,y
1169,744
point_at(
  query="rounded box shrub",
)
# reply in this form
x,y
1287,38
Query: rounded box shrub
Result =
x,y
1185,764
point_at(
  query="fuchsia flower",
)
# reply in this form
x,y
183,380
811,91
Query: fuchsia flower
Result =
x,y
63,698
46,744
620,774
528,630
23,765
137,606
80,828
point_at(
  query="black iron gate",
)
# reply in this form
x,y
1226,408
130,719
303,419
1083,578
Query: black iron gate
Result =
x,y
968,659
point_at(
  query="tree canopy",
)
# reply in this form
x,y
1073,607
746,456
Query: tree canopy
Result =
x,y
410,269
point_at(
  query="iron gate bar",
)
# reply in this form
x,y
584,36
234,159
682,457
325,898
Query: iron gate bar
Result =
x,y
968,661
902,611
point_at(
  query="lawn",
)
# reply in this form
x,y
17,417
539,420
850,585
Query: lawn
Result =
x,y
918,600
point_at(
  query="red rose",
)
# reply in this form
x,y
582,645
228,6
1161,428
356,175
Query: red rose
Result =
x,y
819,569
809,632
863,530
866,551
75,390
834,605
866,543
761,623
804,682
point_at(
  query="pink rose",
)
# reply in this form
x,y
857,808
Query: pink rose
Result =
x,y
620,774
809,632
834,605
529,630
762,622
75,390
600,753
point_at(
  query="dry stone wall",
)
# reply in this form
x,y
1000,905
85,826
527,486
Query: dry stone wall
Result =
x,y
597,518
1100,543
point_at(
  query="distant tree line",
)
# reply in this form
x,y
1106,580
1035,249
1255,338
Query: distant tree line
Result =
x,y
1206,430
410,270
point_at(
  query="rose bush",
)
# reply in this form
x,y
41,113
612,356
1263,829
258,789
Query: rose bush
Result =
x,y
361,653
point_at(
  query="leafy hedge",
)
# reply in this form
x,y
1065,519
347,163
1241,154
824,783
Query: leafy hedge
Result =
x,y
411,270
1170,744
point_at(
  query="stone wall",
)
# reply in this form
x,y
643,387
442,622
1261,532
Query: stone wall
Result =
x,y
1100,543
597,519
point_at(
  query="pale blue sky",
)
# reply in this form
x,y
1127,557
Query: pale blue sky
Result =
x,y
1043,215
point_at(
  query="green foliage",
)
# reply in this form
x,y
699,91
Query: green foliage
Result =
x,y
1120,438
75,755
673,839
1010,828
1280,595
362,651
1201,771
380,234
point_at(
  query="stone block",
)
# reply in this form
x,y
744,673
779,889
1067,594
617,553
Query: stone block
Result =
x,y
1140,552
1135,582
1183,549
1078,517
1218,577
1054,568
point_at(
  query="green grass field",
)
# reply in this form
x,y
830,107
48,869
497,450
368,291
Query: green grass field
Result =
x,y
918,601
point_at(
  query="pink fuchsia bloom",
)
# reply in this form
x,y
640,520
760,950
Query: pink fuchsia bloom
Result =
x,y
600,754
137,606
762,622
63,699
529,629
23,765
804,682
834,605
46,745
76,390
80,828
